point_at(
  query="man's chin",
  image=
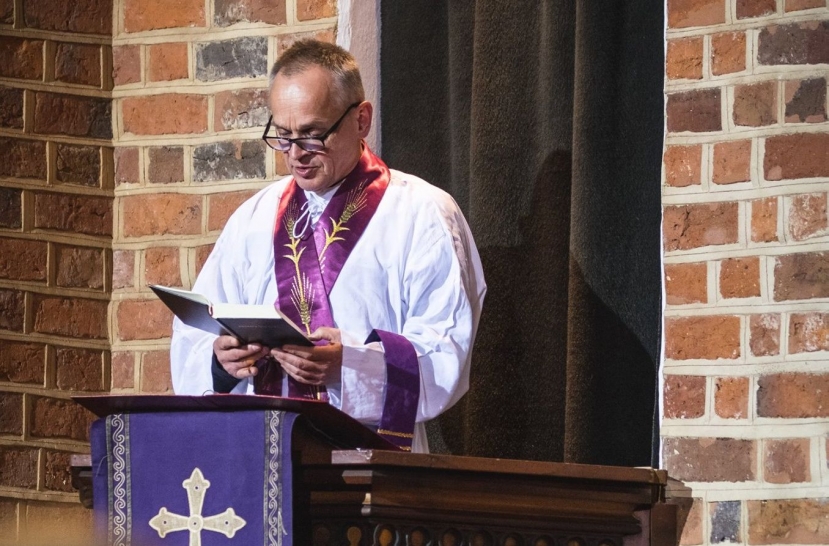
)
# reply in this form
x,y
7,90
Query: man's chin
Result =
x,y
314,184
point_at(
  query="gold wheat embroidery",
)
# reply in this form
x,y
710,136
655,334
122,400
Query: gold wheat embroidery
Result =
x,y
355,202
302,293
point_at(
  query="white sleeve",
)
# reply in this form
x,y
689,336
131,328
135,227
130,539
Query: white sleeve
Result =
x,y
444,290
191,349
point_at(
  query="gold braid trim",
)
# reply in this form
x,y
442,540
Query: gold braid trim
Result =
x,y
393,433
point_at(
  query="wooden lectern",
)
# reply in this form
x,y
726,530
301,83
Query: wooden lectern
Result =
x,y
351,489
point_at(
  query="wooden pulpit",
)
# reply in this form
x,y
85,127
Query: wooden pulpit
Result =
x,y
350,488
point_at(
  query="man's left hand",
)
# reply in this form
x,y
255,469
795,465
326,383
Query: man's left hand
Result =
x,y
316,365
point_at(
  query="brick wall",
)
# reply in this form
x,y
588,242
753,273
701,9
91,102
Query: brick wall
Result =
x,y
55,239
746,248
129,131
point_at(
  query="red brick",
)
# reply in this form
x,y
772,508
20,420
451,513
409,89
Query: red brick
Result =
x,y
706,337
755,8
697,111
140,15
24,158
12,310
728,53
79,369
787,461
57,418
155,372
166,165
72,115
764,220
285,41
202,253
162,214
793,395
709,459
85,214
22,362
172,113
682,165
78,16
126,166
732,162
126,64
79,165
11,413
808,332
161,266
740,277
143,319
307,10
684,58
799,5
11,107
222,205
78,63
806,101
18,467
72,317
123,370
123,269
794,44
21,58
689,521
686,283
693,226
80,267
801,276
807,216
684,397
230,12
23,260
57,475
241,109
764,337
801,155
6,18
788,521
695,13
755,105
167,62
731,397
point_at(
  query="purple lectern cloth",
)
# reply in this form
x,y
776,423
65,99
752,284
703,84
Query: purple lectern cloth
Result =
x,y
141,461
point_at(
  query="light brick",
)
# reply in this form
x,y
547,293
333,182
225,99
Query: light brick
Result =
x,y
123,269
689,521
241,109
696,111
806,101
684,58
747,9
168,62
171,113
764,334
684,397
85,214
801,276
23,260
161,266
807,216
793,395
799,5
705,337
682,165
308,10
141,15
222,205
709,459
755,105
123,370
126,64
764,220
732,162
126,165
70,317
162,214
686,283
740,277
155,372
725,522
731,397
692,226
143,319
202,253
787,461
728,53
788,521
285,41
808,332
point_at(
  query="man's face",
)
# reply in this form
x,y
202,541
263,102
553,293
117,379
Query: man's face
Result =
x,y
306,105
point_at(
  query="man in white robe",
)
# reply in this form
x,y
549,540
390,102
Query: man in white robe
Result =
x,y
414,272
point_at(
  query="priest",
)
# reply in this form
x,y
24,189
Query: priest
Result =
x,y
376,266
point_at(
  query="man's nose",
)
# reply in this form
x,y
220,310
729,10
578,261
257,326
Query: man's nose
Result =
x,y
296,152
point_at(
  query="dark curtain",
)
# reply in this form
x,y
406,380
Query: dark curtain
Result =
x,y
544,120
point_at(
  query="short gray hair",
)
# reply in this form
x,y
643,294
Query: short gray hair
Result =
x,y
339,62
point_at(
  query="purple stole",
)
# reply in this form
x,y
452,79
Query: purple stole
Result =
x,y
306,269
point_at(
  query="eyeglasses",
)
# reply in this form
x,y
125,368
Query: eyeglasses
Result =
x,y
309,144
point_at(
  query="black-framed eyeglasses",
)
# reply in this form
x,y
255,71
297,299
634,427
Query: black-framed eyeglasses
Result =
x,y
309,144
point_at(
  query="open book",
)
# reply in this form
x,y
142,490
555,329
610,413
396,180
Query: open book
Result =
x,y
248,323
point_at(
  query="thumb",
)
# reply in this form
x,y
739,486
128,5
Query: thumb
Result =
x,y
326,333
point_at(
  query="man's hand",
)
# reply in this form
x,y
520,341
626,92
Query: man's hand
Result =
x,y
238,360
313,365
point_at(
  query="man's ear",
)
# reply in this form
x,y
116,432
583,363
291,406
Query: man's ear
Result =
x,y
365,112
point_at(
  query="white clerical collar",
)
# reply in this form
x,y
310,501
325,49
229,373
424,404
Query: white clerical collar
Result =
x,y
318,201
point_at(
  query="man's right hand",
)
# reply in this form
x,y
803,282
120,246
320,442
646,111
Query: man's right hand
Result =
x,y
238,360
